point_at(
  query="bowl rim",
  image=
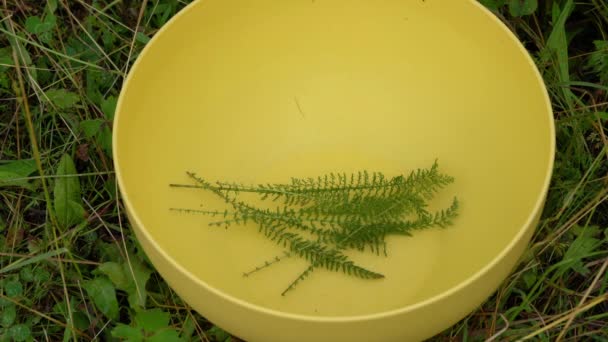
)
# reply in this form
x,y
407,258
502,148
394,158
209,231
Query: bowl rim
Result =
x,y
538,206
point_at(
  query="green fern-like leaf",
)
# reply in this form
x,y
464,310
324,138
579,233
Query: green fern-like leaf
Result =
x,y
317,218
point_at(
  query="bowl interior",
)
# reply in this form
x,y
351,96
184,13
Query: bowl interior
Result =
x,y
260,91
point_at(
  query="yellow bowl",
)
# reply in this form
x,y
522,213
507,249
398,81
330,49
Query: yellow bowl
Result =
x,y
260,91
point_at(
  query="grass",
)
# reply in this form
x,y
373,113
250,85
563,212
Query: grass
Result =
x,y
71,269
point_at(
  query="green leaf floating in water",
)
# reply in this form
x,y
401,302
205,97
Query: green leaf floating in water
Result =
x,y
318,218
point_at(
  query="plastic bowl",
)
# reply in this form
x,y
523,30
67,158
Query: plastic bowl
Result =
x,y
260,91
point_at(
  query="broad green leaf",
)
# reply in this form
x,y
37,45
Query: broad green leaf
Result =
x,y
218,334
24,56
13,288
67,334
51,6
97,83
108,38
188,328
26,274
529,278
35,25
68,204
588,231
4,336
139,277
6,52
6,59
81,320
102,292
580,248
4,80
45,69
152,320
519,8
104,139
602,115
127,333
165,336
22,167
117,275
62,98
41,275
49,21
16,169
142,38
99,131
43,28
131,279
108,107
108,251
69,212
81,50
4,302
20,332
8,315
493,5
90,128
163,12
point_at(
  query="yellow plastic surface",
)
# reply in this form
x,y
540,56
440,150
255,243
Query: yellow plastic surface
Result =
x,y
260,91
